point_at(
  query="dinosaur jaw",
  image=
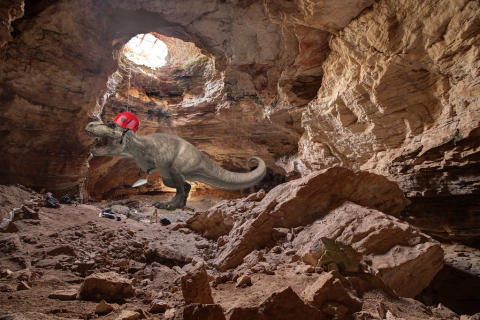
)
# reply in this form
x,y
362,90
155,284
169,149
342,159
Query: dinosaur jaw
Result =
x,y
106,139
107,146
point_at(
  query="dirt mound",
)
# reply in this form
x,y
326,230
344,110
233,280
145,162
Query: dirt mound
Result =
x,y
13,196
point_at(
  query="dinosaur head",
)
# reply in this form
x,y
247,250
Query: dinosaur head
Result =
x,y
108,138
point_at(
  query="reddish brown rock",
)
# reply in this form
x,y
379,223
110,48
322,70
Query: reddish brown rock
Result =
x,y
108,286
197,311
65,249
158,305
196,287
298,203
64,294
332,286
7,226
404,258
282,305
104,308
244,281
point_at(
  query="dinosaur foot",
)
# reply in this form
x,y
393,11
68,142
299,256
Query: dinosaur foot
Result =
x,y
170,205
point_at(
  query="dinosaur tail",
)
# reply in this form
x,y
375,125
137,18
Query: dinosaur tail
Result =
x,y
215,176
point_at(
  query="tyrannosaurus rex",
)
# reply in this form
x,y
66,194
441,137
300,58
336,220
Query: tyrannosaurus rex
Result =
x,y
174,158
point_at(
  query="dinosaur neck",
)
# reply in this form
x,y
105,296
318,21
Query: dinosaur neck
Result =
x,y
131,142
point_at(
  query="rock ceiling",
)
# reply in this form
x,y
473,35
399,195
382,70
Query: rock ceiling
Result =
x,y
388,87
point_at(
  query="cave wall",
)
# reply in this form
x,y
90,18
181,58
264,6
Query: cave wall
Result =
x,y
400,97
56,68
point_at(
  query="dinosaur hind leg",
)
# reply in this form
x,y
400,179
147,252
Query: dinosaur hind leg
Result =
x,y
187,189
176,181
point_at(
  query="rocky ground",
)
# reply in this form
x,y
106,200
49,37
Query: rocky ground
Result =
x,y
309,249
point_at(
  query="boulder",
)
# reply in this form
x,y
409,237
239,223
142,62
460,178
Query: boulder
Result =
x,y
404,258
196,287
293,204
196,311
7,226
332,287
108,286
284,304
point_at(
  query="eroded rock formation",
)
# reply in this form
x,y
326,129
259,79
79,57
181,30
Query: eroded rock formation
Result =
x,y
387,87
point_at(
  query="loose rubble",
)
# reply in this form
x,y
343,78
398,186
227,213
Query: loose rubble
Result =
x,y
349,261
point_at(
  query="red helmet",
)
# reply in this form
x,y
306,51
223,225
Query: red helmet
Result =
x,y
127,120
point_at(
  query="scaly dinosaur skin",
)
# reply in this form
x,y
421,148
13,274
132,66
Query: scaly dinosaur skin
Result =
x,y
174,158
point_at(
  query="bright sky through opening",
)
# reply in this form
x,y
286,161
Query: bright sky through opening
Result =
x,y
147,50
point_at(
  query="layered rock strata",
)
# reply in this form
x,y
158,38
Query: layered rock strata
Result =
x,y
400,98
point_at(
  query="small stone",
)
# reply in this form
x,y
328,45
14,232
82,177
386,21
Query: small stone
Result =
x,y
23,286
128,315
298,229
64,294
244,280
104,308
158,306
5,273
169,314
7,226
196,287
276,249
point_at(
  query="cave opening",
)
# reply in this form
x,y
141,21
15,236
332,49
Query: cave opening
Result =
x,y
146,50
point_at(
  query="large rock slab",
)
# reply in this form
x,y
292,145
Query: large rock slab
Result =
x,y
299,203
195,286
282,305
108,286
404,258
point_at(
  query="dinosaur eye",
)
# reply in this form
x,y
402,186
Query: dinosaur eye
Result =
x,y
123,119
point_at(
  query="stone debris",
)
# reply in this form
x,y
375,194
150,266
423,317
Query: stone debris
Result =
x,y
196,287
249,225
197,311
244,281
332,287
23,286
283,304
7,226
330,264
404,258
69,294
128,315
108,286
103,308
5,272
158,305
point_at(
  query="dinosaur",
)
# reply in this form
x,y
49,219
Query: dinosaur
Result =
x,y
174,158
